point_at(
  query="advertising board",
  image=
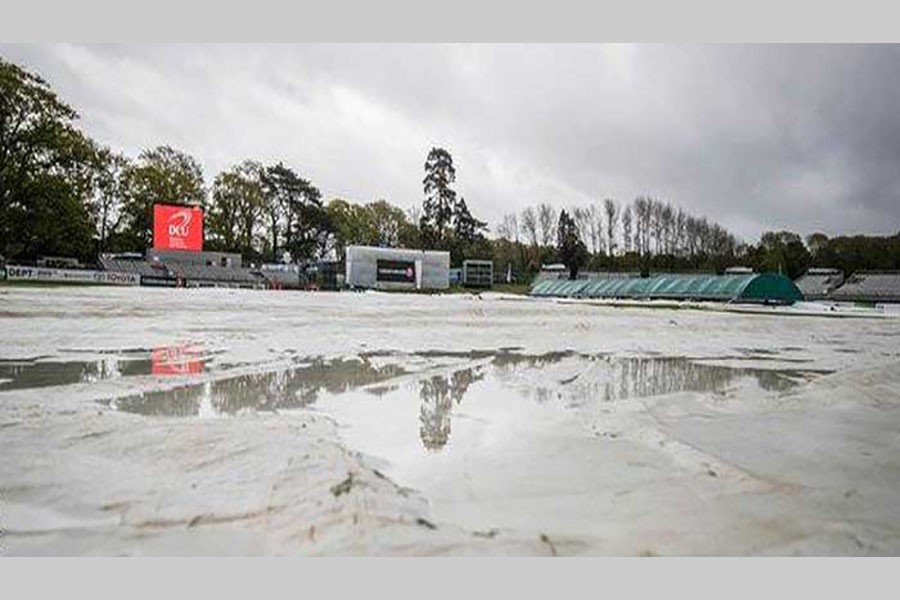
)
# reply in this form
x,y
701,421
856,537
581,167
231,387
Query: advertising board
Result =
x,y
398,271
14,273
177,228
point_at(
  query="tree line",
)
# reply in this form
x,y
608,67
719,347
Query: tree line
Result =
x,y
647,233
64,194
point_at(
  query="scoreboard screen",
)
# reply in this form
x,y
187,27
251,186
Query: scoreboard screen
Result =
x,y
177,228
400,271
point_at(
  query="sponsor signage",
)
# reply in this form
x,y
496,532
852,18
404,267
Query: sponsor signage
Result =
x,y
71,275
154,281
177,228
399,271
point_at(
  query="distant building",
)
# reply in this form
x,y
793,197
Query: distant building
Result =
x,y
396,268
478,273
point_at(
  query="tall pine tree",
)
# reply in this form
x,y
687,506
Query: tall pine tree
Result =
x,y
440,198
572,251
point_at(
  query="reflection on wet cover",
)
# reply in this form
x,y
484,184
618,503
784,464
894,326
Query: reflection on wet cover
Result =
x,y
176,360
640,377
586,378
499,358
438,395
612,379
25,374
624,378
268,391
182,359
507,360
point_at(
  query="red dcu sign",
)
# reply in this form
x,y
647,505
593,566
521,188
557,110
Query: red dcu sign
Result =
x,y
177,228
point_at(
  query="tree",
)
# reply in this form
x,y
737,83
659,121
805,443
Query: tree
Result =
x,y
51,222
529,226
310,226
816,242
377,223
582,218
509,228
273,211
655,236
161,175
595,216
612,216
410,233
572,251
860,252
350,224
548,222
312,231
236,211
667,227
468,235
656,225
440,198
641,225
783,252
626,228
282,190
294,211
106,206
680,232
466,228
47,169
388,223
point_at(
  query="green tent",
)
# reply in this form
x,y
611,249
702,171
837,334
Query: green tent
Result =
x,y
745,287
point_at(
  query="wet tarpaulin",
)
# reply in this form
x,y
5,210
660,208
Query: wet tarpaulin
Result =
x,y
745,287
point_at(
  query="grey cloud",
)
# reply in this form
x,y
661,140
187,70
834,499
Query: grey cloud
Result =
x,y
756,137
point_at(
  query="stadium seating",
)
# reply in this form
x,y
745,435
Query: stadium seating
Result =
x,y
282,279
817,284
869,286
141,267
211,275
191,275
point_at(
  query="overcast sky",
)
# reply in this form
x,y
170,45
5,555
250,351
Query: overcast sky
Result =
x,y
756,137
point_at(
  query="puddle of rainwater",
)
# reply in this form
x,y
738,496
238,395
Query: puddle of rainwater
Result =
x,y
296,387
504,442
483,431
431,393
45,371
597,379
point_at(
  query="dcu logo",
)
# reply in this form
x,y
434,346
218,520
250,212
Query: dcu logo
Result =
x,y
177,227
180,224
